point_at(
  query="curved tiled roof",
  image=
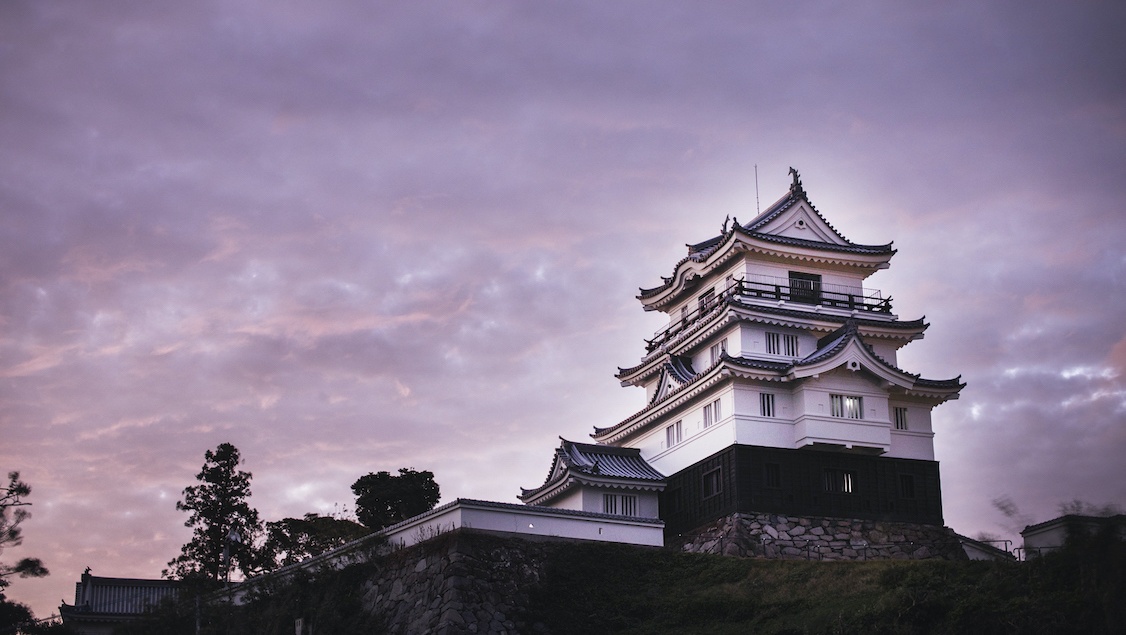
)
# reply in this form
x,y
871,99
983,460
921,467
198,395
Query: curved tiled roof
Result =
x,y
827,347
602,461
699,252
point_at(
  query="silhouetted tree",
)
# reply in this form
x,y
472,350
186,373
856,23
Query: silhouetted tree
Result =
x,y
292,540
383,500
12,514
224,523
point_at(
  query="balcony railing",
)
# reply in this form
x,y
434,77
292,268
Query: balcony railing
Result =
x,y
792,290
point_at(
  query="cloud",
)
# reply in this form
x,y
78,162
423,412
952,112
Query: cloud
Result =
x,y
351,237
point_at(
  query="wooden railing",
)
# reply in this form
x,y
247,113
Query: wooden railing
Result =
x,y
773,288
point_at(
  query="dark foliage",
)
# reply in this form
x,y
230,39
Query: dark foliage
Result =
x,y
383,500
613,589
292,540
222,520
12,514
327,601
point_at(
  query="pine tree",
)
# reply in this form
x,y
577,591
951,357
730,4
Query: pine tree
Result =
x,y
225,525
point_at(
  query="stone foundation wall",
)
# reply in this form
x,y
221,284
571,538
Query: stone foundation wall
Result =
x,y
752,535
462,582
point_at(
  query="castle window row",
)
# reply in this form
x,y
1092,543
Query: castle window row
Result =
x,y
781,344
620,504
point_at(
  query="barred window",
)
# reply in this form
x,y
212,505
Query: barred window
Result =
x,y
900,418
839,481
847,406
766,404
781,344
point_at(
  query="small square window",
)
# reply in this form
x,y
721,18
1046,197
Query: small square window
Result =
x,y
839,481
900,418
766,404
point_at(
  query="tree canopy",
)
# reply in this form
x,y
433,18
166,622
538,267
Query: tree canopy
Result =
x,y
12,513
383,500
223,521
291,540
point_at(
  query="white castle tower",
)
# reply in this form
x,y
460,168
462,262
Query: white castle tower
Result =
x,y
774,388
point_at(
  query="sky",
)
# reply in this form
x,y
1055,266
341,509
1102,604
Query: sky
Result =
x,y
357,236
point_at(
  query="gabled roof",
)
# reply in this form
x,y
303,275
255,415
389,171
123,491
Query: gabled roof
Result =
x,y
590,464
767,229
842,347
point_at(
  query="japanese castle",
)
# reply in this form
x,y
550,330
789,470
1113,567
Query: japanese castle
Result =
x,y
773,390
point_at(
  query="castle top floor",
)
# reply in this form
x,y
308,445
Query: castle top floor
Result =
x,y
787,254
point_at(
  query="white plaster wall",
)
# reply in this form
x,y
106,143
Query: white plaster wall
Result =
x,y
782,270
885,350
771,433
526,520
699,446
906,444
840,431
571,500
752,341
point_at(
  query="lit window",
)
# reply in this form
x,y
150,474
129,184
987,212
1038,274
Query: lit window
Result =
x,y
673,435
847,406
711,413
900,418
766,404
839,481
782,344
712,483
718,349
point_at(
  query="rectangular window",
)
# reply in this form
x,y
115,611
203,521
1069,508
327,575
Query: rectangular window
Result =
x,y
782,344
717,350
711,413
707,301
728,283
620,504
712,483
839,481
629,505
900,418
684,314
772,475
805,287
766,404
609,504
847,406
906,486
673,435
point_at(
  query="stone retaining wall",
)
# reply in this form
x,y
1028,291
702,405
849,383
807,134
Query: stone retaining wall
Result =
x,y
462,582
816,538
